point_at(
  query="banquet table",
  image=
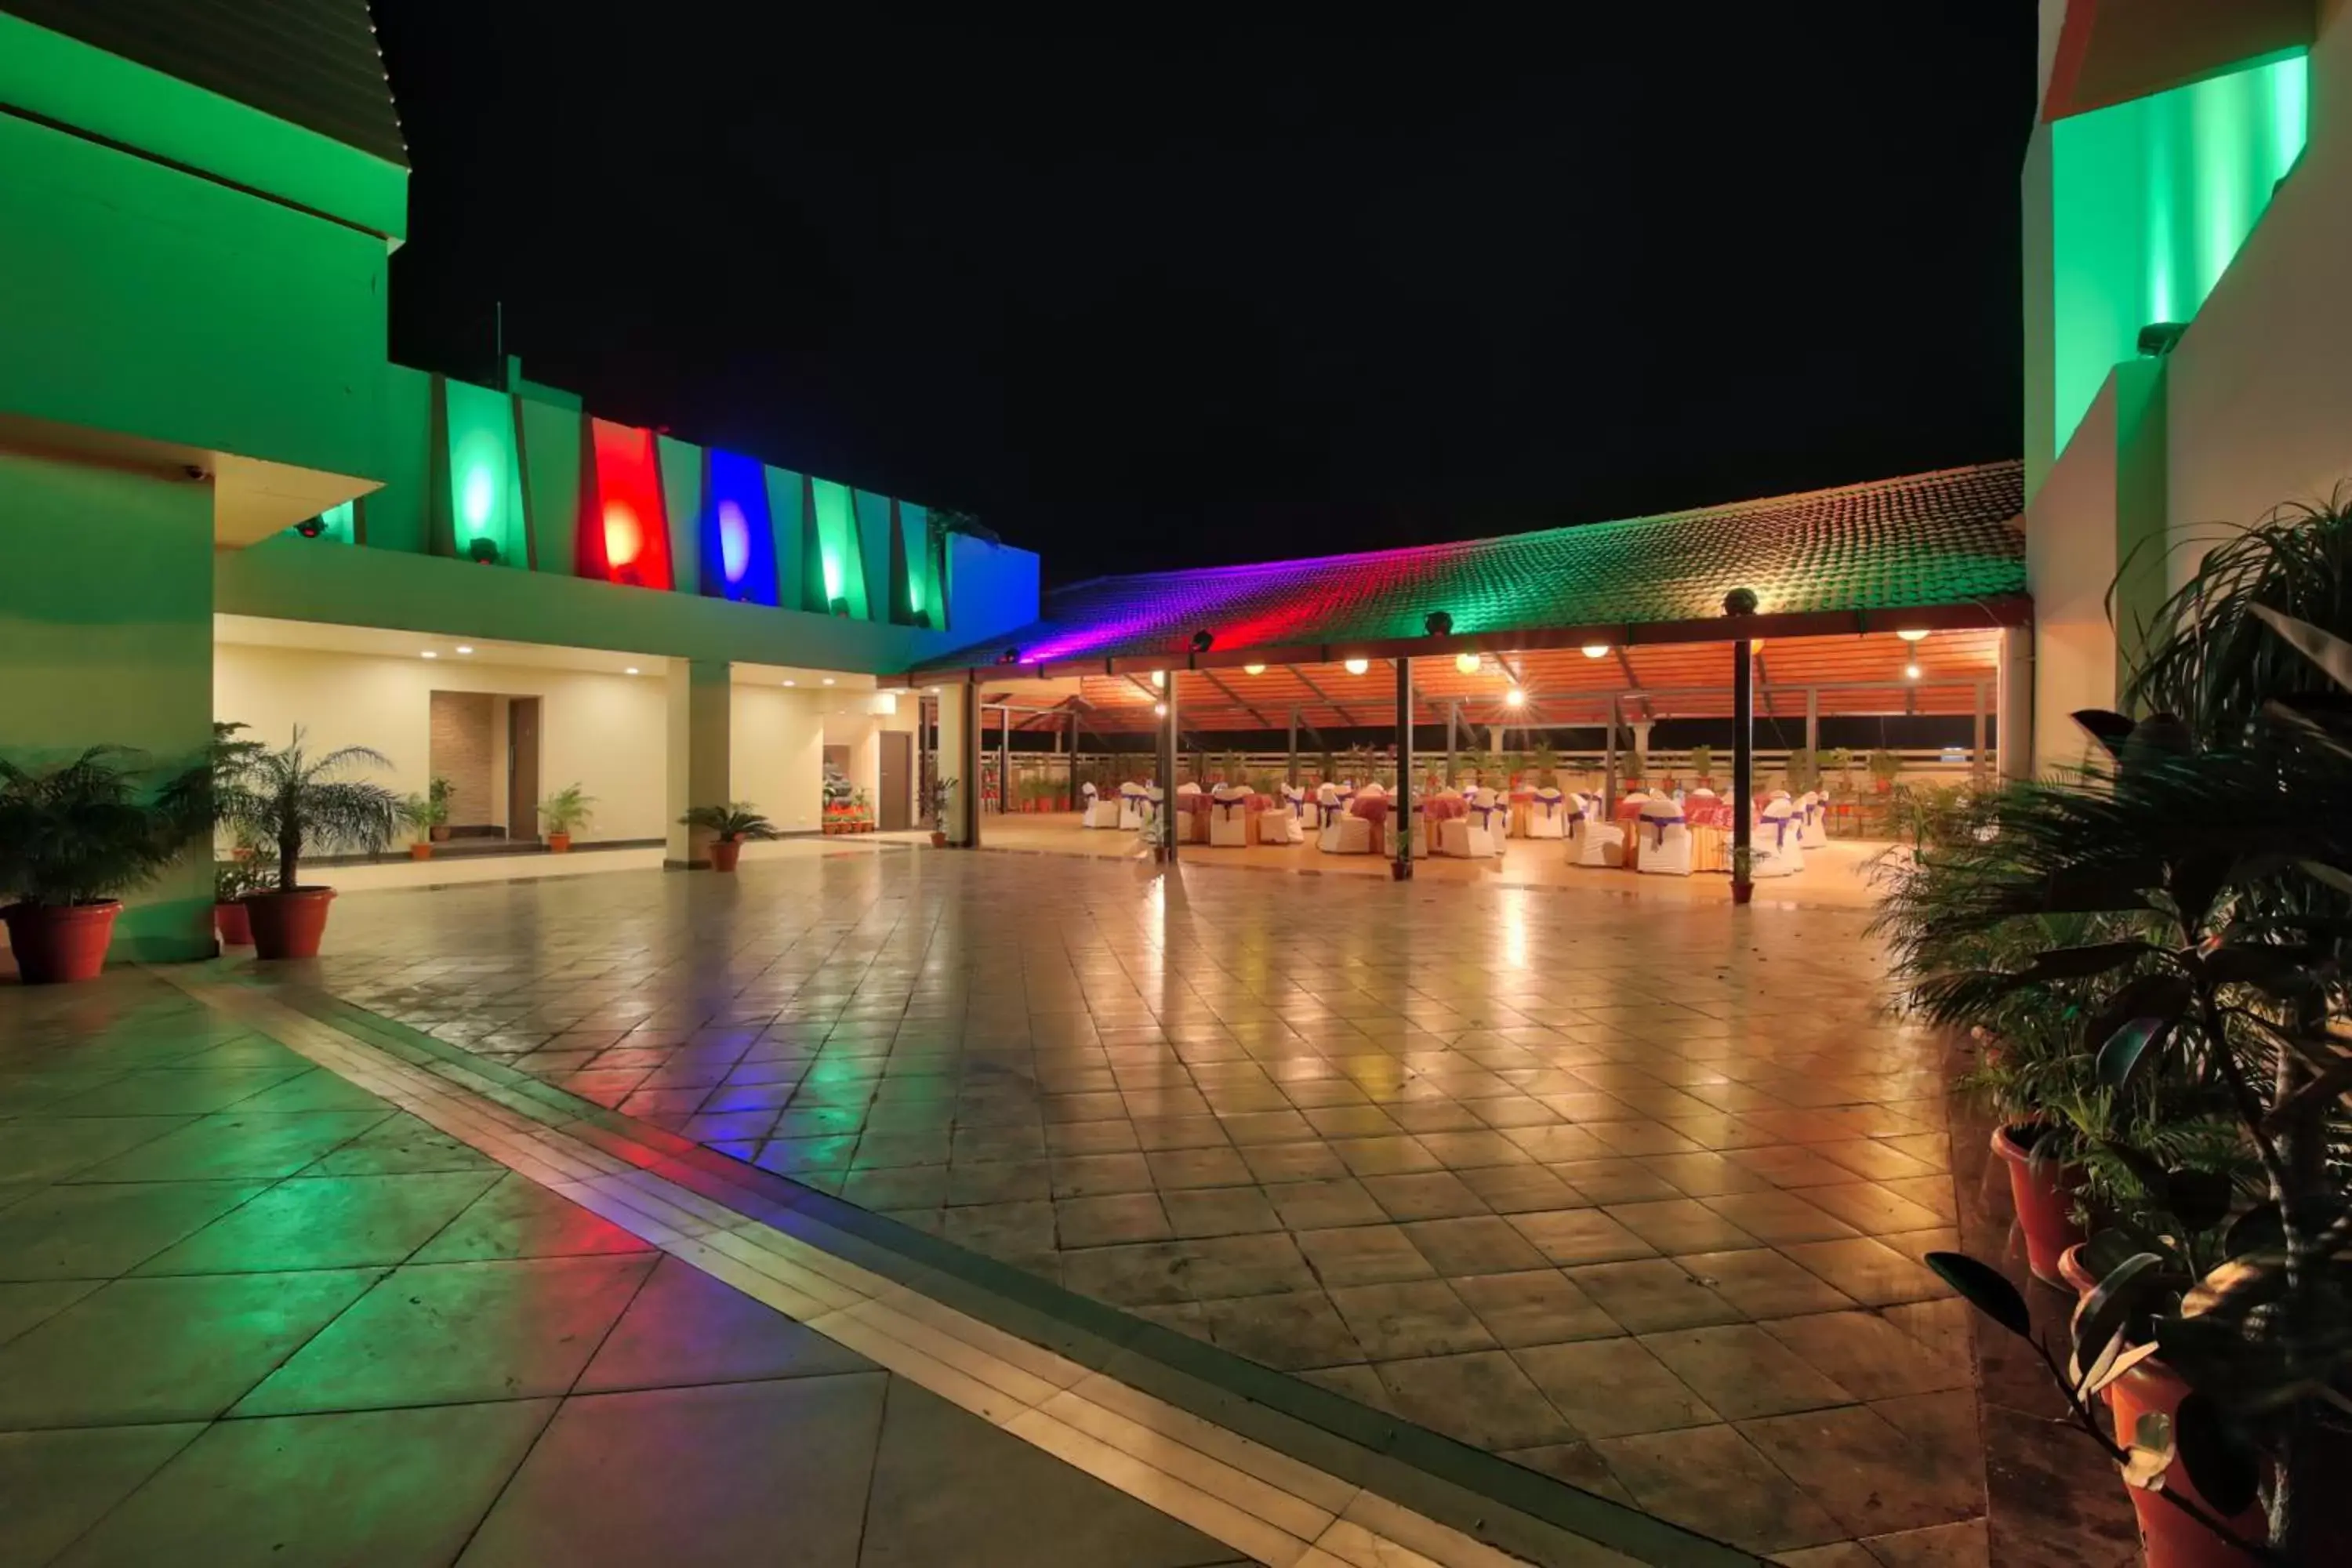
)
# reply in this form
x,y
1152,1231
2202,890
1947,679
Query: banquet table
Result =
x,y
1435,810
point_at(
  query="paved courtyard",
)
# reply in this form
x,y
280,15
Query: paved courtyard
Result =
x,y
1633,1193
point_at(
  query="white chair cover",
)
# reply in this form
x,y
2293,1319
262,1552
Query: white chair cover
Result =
x,y
1342,834
1471,836
1325,806
1229,816
1593,842
1134,807
1285,823
1097,812
1665,838
1815,834
1548,816
1780,834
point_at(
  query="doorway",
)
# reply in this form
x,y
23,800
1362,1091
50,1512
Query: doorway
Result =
x,y
522,769
897,768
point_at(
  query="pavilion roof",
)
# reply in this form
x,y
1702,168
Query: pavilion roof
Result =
x,y
1945,542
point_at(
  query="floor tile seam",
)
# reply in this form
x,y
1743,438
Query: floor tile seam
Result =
x,y
388,1073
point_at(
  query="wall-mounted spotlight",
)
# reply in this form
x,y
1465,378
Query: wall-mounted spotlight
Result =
x,y
1596,650
1514,697
2159,338
1910,672
1160,709
1912,634
1253,669
312,527
483,552
1740,602
1159,679
1010,655
1203,641
1439,624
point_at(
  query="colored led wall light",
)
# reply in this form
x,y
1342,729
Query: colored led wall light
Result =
x,y
485,477
836,529
624,533
739,547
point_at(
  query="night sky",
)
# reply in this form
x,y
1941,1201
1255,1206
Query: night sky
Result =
x,y
1206,296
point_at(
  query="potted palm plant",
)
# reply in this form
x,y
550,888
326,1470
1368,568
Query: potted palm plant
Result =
x,y
940,790
72,836
1702,765
730,827
1886,766
425,815
295,802
566,812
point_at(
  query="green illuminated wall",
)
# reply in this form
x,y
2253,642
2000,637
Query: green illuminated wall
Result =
x,y
839,558
2149,202
483,499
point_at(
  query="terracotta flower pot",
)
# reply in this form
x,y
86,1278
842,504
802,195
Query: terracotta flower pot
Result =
x,y
440,833
559,843
420,852
59,942
2169,1538
939,839
288,925
2042,1193
2071,1271
724,853
236,927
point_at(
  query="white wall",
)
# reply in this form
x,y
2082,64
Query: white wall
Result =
x,y
779,754
606,732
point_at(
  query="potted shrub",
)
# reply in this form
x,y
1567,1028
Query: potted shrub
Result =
x,y
730,827
72,836
438,792
425,815
2224,875
1702,765
565,813
1884,766
232,881
940,790
295,802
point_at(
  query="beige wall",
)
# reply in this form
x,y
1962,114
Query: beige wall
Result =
x,y
608,732
105,617
2262,384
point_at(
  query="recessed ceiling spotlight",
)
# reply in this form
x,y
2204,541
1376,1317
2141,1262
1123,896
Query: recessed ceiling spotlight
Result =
x,y
464,648
1912,634
428,653
792,683
1253,669
1515,697
1160,677
1161,709
1467,663
1358,665
631,671
1596,650
826,681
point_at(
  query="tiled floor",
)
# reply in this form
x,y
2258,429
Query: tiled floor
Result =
x,y
251,1313
1633,1193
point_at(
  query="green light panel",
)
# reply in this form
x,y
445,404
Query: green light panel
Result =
x,y
2150,201
485,477
836,532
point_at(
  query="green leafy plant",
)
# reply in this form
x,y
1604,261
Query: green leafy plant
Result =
x,y
1884,766
233,880
941,788
568,810
1547,765
421,814
1702,762
440,792
293,802
736,822
85,830
1842,759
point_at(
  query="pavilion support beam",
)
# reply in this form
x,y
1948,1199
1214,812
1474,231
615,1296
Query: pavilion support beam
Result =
x,y
1452,736
1290,771
1072,796
1401,816
2013,711
1743,768
1322,696
1813,721
1609,761
1169,751
1235,698
1977,751
1004,760
959,753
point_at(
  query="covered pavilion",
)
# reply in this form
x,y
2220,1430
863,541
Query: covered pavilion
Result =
x,y
1899,597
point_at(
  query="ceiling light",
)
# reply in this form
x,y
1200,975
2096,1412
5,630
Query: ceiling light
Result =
x,y
1912,634
1911,672
631,671
792,683
1160,677
428,653
935,690
1467,663
464,648
1514,697
1596,650
1358,665
1161,709
1253,669
826,681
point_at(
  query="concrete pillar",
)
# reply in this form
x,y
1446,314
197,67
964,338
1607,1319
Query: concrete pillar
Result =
x,y
1400,823
1813,723
959,744
1642,727
2012,735
106,638
1743,766
701,752
1609,761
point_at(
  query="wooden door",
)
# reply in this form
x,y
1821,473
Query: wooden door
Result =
x,y
522,769
892,799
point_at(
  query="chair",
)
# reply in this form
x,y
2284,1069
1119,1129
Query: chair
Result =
x,y
1097,812
1546,815
1343,832
1780,834
1282,824
1592,842
1468,836
1814,834
1325,805
1229,816
1665,838
1134,807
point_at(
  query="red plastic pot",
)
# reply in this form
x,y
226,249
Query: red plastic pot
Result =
x,y
559,843
58,943
2168,1537
2072,1272
2042,1193
939,839
235,928
724,853
420,852
288,925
